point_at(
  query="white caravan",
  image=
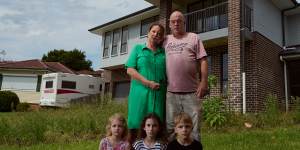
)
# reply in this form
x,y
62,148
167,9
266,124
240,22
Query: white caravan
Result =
x,y
58,89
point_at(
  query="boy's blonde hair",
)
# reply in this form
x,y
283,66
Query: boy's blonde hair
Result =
x,y
183,117
119,117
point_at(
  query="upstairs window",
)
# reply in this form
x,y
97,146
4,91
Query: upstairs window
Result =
x,y
115,43
146,23
124,40
209,65
107,41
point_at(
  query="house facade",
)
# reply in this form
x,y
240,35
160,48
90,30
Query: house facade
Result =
x,y
253,46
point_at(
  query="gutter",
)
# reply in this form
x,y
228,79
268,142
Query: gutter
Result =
x,y
296,5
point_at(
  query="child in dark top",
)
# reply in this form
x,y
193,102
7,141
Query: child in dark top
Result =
x,y
183,129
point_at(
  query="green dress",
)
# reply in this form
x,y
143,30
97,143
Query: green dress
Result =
x,y
142,100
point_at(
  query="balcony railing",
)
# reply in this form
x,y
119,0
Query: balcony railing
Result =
x,y
248,18
213,18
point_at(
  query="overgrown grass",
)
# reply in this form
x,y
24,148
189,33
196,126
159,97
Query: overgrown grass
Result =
x,y
80,122
81,126
262,139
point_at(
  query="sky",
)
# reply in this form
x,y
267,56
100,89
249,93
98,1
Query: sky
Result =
x,y
31,28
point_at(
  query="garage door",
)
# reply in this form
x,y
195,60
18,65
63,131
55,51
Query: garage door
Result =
x,y
27,83
121,89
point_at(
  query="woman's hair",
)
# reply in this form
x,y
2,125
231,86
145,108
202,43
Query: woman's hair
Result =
x,y
160,133
162,31
119,117
183,117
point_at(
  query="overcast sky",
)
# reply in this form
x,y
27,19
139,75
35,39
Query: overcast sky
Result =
x,y
31,28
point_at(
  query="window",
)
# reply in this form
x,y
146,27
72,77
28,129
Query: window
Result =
x,y
107,41
91,86
100,87
124,40
209,65
224,74
116,39
121,89
49,84
68,84
146,23
106,87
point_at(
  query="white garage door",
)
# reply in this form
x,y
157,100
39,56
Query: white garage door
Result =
x,y
27,83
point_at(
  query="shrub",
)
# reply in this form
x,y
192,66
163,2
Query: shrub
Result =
x,y
22,107
213,112
8,101
212,82
296,108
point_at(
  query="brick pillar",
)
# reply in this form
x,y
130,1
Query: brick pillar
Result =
x,y
234,56
165,8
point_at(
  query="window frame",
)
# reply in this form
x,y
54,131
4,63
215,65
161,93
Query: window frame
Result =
x,y
65,84
115,44
147,22
106,45
124,42
224,75
49,82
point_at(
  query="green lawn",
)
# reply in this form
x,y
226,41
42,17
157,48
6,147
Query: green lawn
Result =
x,y
261,139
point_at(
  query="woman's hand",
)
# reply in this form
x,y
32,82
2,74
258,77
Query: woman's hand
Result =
x,y
153,85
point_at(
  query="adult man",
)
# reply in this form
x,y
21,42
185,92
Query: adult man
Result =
x,y
185,58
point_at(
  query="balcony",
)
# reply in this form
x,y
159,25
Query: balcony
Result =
x,y
213,18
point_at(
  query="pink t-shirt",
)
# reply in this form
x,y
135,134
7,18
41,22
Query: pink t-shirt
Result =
x,y
182,58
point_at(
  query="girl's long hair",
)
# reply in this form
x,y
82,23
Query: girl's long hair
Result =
x,y
162,32
119,117
161,132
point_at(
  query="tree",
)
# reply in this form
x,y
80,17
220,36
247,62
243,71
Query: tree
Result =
x,y
74,59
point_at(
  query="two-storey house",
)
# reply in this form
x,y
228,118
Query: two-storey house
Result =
x,y
253,46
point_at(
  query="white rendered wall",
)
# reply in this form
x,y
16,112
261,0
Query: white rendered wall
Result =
x,y
120,59
267,20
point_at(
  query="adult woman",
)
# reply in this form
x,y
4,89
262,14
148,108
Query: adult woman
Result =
x,y
146,66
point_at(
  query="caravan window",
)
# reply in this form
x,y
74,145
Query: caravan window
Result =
x,y
49,84
91,86
68,84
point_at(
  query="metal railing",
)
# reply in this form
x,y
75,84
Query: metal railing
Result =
x,y
213,18
248,18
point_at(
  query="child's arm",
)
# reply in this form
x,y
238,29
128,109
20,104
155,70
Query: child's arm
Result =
x,y
102,145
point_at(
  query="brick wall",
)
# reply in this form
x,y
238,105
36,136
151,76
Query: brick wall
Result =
x,y
234,70
264,73
165,12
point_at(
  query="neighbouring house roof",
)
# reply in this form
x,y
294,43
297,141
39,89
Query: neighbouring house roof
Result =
x,y
36,65
97,73
58,67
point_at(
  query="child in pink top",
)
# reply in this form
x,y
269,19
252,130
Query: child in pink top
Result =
x,y
116,132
